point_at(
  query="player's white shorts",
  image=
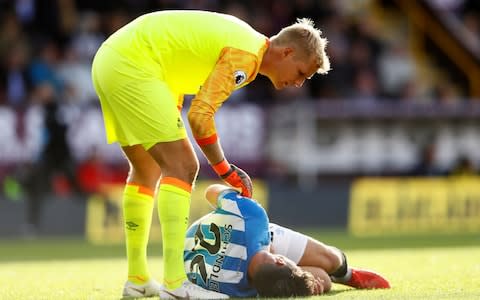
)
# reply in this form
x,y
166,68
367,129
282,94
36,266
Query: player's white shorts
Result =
x,y
287,242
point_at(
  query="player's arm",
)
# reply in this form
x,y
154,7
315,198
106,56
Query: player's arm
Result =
x,y
215,191
216,89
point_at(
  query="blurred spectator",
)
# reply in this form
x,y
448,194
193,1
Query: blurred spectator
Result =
x,y
87,38
11,32
54,162
463,167
239,10
426,165
446,93
410,92
92,175
25,10
15,83
292,93
448,5
396,68
365,86
75,74
54,19
43,69
74,68
337,83
114,20
471,22
361,55
281,13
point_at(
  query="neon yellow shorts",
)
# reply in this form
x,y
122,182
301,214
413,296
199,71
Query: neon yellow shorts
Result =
x,y
138,106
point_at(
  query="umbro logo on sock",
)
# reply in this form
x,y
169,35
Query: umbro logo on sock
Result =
x,y
131,225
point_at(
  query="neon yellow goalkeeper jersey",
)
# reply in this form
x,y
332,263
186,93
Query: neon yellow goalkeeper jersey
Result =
x,y
195,52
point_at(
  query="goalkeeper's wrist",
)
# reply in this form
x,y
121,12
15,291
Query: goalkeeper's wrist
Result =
x,y
222,167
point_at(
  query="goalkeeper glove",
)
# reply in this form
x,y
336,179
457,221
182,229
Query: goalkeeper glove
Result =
x,y
235,177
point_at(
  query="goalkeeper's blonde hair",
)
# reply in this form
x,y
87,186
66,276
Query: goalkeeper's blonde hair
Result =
x,y
303,36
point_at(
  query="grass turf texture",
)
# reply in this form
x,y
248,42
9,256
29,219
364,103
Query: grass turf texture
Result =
x,y
419,267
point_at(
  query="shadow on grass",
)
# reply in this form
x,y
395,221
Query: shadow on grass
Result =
x,y
343,240
59,248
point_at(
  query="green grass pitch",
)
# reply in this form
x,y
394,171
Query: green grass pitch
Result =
x,y
420,267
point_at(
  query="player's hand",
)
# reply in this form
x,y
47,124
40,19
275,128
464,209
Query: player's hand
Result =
x,y
235,177
238,178
318,287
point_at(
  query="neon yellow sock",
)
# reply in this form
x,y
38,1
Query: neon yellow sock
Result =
x,y
137,213
173,211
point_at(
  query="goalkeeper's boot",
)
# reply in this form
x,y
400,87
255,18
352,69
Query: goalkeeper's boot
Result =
x,y
190,290
149,289
362,279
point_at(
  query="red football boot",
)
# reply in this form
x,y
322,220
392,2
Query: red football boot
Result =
x,y
362,279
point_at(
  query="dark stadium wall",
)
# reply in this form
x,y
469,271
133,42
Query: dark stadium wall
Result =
x,y
324,204
58,217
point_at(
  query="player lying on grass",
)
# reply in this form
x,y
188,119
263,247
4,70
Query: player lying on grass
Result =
x,y
236,251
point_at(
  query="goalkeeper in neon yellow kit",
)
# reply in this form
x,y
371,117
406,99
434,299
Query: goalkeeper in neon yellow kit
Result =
x,y
141,73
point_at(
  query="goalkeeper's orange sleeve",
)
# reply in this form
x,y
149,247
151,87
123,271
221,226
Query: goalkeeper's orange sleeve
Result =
x,y
234,69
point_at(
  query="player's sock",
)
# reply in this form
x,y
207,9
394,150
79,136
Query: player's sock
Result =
x,y
173,210
137,212
359,279
343,273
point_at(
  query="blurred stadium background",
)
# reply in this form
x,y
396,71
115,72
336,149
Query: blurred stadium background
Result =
x,y
387,143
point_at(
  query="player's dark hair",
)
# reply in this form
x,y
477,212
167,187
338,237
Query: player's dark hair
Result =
x,y
275,281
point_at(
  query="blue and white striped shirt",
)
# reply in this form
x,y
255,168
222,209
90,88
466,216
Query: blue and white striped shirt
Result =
x,y
219,246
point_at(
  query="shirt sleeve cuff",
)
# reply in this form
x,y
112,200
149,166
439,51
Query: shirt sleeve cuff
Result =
x,y
208,140
222,167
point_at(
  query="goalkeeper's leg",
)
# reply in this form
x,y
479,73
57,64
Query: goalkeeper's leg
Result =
x,y
138,197
179,166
